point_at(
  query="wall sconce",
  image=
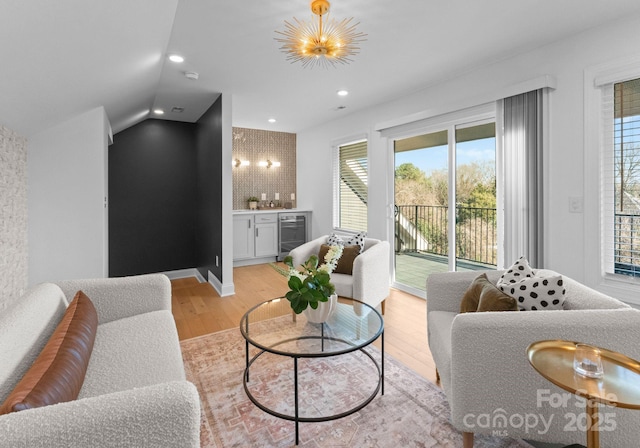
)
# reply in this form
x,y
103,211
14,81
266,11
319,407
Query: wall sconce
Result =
x,y
238,162
268,163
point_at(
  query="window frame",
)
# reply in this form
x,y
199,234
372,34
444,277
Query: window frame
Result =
x,y
597,216
336,215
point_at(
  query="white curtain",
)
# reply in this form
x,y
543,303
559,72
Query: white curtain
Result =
x,y
522,127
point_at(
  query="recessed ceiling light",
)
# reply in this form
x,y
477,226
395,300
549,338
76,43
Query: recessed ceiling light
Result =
x,y
158,111
272,120
176,58
343,92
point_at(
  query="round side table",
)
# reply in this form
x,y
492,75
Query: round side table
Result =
x,y
619,386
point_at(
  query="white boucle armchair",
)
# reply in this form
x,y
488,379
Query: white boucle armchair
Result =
x,y
484,369
370,280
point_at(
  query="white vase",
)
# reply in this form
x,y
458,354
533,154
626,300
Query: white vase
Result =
x,y
323,312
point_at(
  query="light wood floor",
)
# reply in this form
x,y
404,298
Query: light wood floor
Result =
x,y
198,310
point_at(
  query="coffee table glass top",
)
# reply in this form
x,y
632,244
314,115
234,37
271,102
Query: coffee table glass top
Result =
x,y
273,327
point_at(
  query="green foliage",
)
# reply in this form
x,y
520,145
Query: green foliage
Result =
x,y
309,292
436,235
475,204
475,186
408,171
483,196
316,286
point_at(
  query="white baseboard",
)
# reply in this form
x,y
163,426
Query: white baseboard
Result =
x,y
184,273
224,289
252,261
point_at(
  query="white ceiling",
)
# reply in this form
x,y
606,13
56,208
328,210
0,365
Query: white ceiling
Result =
x,y
61,58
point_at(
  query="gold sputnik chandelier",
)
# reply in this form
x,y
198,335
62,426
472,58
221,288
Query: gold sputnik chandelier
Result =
x,y
322,41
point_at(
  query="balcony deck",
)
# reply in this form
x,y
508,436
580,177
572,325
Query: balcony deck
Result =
x,y
413,268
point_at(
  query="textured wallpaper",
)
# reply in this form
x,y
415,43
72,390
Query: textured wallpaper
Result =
x,y
255,145
13,216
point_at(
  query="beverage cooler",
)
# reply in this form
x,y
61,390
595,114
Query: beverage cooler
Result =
x,y
293,231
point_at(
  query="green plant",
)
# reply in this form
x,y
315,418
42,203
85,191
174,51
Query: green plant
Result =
x,y
252,199
312,284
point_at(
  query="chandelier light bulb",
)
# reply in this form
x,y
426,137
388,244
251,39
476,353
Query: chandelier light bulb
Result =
x,y
322,41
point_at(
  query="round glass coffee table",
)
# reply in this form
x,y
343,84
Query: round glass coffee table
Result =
x,y
272,328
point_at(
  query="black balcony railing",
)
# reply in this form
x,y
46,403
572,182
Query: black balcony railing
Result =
x,y
424,228
627,244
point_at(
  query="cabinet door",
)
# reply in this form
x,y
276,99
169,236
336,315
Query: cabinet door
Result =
x,y
267,240
243,240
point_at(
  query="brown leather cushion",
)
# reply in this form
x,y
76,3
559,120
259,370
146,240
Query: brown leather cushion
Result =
x,y
345,262
58,372
483,295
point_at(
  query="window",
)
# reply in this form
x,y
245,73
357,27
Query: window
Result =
x,y
622,194
450,168
351,184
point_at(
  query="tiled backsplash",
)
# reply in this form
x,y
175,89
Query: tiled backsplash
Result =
x,y
13,216
254,146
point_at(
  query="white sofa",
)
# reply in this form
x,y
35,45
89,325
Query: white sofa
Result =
x,y
370,280
134,393
484,370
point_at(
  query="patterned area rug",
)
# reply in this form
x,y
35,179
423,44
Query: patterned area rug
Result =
x,y
412,412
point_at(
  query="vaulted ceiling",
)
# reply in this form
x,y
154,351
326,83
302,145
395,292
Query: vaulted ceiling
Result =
x,y
61,58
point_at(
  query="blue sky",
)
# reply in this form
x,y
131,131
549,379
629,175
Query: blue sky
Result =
x,y
436,158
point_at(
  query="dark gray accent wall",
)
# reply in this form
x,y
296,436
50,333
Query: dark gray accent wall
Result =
x,y
152,198
209,176
165,196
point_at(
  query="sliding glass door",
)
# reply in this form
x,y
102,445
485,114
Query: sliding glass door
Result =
x,y
445,202
421,194
476,245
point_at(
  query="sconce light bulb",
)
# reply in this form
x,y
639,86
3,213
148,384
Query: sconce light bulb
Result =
x,y
238,162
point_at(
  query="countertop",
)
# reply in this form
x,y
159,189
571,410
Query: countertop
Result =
x,y
270,210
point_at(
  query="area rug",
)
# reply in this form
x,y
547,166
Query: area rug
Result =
x,y
413,412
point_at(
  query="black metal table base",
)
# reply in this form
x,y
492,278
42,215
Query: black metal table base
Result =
x,y
296,417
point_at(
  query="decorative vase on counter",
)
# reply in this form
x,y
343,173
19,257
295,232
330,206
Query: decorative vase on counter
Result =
x,y
323,312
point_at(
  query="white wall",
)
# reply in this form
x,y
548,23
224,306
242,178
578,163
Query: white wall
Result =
x,y
566,60
66,199
227,288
